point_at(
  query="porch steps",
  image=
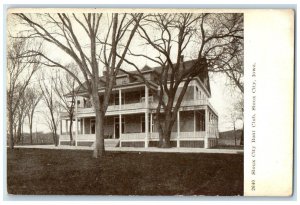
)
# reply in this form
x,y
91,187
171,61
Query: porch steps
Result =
x,y
109,143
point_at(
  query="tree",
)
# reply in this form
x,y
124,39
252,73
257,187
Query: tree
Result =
x,y
66,89
66,31
207,38
239,107
234,117
20,117
20,69
51,102
33,97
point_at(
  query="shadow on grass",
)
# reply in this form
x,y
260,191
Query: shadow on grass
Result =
x,y
75,172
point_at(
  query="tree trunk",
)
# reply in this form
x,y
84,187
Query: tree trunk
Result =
x,y
166,139
11,129
22,136
99,147
99,144
30,118
30,131
71,131
54,130
19,130
234,135
167,129
242,137
55,136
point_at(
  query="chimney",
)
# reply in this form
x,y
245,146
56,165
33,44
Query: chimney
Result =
x,y
181,58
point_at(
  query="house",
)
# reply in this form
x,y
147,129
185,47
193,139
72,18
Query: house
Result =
x,y
132,107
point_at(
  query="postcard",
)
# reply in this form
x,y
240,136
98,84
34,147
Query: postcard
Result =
x,y
149,102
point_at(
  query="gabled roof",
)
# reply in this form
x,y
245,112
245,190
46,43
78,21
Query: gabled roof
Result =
x,y
203,75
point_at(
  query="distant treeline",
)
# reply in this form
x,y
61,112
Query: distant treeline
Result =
x,y
37,138
230,138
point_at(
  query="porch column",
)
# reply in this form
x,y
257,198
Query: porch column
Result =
x,y
120,99
83,126
178,128
120,125
194,123
60,130
146,117
76,124
151,122
146,128
206,128
146,96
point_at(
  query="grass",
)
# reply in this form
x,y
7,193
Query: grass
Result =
x,y
74,172
231,147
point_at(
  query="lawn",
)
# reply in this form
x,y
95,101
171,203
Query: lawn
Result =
x,y
41,171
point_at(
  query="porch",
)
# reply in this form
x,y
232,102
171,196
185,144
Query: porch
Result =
x,y
189,130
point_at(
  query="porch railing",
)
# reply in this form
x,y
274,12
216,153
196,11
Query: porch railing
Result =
x,y
141,105
133,136
80,137
182,135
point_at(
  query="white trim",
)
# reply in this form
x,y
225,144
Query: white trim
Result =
x,y
202,86
83,126
146,128
206,128
120,125
119,87
194,123
151,122
123,119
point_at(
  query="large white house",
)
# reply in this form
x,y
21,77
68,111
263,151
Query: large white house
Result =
x,y
133,106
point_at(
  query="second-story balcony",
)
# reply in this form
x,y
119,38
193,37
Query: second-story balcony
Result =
x,y
138,107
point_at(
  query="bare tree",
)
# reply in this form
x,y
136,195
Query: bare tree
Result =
x,y
20,117
234,118
51,102
65,31
66,90
208,37
20,69
33,97
239,107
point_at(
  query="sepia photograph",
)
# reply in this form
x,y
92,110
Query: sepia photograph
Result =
x,y
133,102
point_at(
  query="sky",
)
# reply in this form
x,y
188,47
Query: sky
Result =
x,y
222,98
